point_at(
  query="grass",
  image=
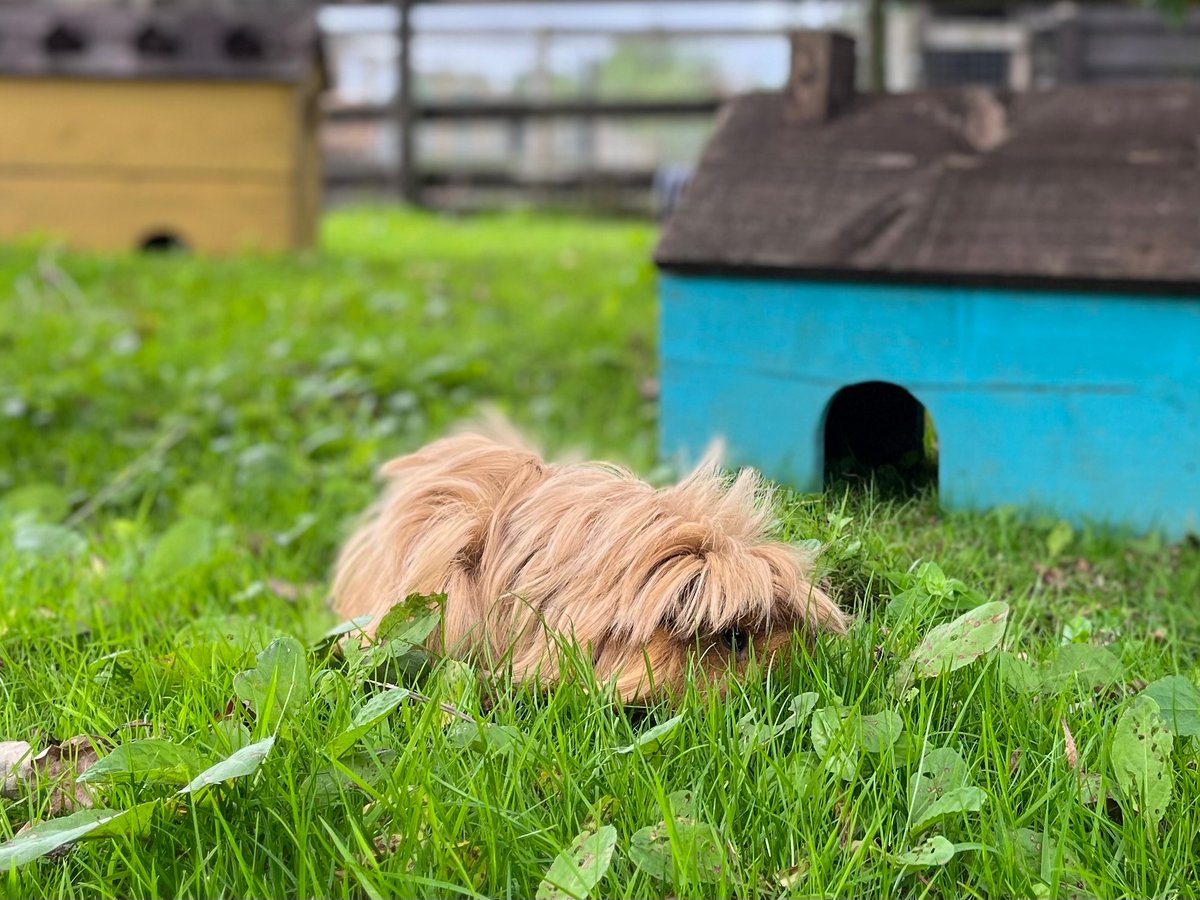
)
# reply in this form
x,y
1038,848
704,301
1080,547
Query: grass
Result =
x,y
184,442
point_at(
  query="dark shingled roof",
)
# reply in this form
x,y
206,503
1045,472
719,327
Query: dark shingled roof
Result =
x,y
187,40
1081,183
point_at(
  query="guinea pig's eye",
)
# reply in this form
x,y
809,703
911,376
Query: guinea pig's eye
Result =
x,y
735,640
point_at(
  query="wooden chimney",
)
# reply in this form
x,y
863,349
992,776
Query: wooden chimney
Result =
x,y
821,81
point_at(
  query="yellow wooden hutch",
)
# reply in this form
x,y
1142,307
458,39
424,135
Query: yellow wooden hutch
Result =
x,y
122,128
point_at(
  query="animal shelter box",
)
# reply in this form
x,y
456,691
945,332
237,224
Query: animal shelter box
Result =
x,y
129,128
1025,269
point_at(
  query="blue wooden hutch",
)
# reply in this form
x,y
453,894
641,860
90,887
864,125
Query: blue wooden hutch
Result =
x,y
1026,268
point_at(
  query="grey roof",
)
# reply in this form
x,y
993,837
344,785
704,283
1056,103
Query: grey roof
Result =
x,y
1080,183
267,43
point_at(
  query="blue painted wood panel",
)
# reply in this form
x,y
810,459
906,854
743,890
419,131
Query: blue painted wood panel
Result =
x,y
1083,405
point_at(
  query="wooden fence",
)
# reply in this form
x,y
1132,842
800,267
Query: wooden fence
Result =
x,y
410,177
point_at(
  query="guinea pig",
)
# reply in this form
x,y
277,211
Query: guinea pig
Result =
x,y
528,553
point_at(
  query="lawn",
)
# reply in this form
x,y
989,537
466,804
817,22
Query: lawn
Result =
x,y
184,442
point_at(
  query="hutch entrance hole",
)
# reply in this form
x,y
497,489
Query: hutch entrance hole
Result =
x,y
878,429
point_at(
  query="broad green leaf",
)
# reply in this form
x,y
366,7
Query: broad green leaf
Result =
x,y
333,688
1059,539
412,620
959,643
456,683
1092,789
1029,845
1041,855
682,804
42,502
696,848
908,604
1179,703
367,717
879,731
1017,674
238,764
186,544
486,737
237,636
328,783
44,539
801,707
961,599
277,687
1078,630
905,751
654,740
228,735
934,851
201,501
88,823
835,740
754,732
357,624
954,801
151,761
578,869
650,851
932,578
941,772
1141,759
401,634
1084,665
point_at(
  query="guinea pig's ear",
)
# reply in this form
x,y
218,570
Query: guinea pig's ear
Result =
x,y
821,610
442,454
797,593
670,595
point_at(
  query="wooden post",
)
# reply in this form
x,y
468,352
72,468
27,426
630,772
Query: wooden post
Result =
x,y
408,170
1071,67
877,41
821,81
541,159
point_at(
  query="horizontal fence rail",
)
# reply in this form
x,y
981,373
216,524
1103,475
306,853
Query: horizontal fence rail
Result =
x,y
410,176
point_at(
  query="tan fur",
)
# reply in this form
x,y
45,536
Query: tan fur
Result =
x,y
529,552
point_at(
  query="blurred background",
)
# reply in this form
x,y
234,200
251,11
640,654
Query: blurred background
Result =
x,y
610,104
607,105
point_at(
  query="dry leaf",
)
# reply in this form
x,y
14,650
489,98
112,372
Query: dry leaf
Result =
x,y
649,389
56,767
789,878
16,767
61,764
1049,576
285,590
1072,753
235,708
1014,762
845,823
383,845
1092,793
386,844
